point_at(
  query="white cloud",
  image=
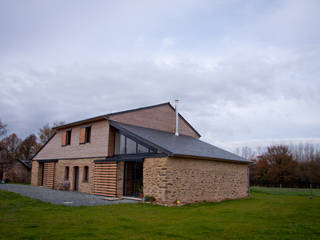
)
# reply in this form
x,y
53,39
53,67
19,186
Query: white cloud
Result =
x,y
243,71
168,42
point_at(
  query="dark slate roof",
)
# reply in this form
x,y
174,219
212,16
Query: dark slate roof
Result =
x,y
176,145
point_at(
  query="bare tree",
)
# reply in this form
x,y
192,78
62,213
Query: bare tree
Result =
x,y
11,144
28,147
3,129
46,132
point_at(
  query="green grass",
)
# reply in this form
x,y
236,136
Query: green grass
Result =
x,y
286,191
263,216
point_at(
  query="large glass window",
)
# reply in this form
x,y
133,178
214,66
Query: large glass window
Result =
x,y
122,144
131,146
125,145
142,149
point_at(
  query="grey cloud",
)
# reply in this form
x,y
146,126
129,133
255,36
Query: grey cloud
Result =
x,y
241,71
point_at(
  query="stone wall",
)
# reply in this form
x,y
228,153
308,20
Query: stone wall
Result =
x,y
194,180
85,187
155,178
120,178
35,174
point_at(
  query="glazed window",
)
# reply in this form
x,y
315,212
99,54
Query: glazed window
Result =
x,y
86,174
142,149
88,134
131,146
125,145
66,173
85,135
68,137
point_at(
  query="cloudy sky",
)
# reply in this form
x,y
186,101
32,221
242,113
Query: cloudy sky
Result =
x,y
246,72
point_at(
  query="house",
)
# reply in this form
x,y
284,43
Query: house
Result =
x,y
151,150
16,170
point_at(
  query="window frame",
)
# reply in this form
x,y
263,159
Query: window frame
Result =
x,y
87,134
124,144
68,137
85,174
66,173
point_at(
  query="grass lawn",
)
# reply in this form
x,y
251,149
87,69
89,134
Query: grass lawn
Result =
x,y
286,191
263,216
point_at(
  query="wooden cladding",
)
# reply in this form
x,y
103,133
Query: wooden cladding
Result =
x,y
48,174
82,135
105,179
63,138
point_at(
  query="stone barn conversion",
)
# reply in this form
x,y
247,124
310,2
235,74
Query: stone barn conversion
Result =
x,y
151,151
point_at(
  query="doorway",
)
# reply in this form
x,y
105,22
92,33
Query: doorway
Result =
x,y
133,179
41,174
75,178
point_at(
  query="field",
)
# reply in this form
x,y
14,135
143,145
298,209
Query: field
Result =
x,y
286,191
264,216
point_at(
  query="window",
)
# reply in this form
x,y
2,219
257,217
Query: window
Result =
x,y
122,144
142,149
125,145
131,146
88,134
68,137
66,173
85,135
85,174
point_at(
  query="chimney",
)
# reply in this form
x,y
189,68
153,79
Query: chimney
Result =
x,y
177,117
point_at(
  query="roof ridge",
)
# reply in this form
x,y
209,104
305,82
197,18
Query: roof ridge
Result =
x,y
111,114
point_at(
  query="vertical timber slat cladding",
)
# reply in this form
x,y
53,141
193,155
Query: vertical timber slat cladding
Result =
x,y
105,179
49,171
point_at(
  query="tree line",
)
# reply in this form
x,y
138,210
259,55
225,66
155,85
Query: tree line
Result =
x,y
12,147
280,166
290,166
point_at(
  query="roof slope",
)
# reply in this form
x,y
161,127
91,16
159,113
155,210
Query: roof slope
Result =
x,y
126,111
177,145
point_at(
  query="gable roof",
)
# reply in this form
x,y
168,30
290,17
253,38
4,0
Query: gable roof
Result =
x,y
105,116
43,146
178,146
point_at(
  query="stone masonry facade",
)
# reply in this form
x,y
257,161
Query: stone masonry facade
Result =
x,y
59,174
193,180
